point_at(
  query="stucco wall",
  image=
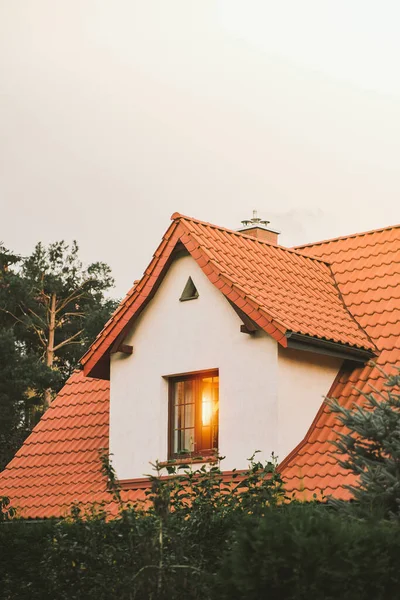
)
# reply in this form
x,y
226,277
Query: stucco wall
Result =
x,y
268,396
304,380
172,337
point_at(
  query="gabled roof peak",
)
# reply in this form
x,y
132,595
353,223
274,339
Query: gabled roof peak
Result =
x,y
276,287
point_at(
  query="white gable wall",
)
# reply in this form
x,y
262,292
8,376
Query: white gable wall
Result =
x,y
172,337
304,379
268,399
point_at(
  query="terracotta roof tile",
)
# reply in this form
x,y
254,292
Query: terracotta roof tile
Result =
x,y
367,268
59,462
284,285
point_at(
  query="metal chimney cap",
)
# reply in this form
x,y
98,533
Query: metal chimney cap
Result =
x,y
255,221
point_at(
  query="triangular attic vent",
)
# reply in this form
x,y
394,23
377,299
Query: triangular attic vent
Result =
x,y
190,292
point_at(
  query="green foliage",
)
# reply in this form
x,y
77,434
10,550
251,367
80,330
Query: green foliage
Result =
x,y
166,547
192,514
208,490
291,551
370,446
300,552
199,536
81,308
22,549
27,286
7,512
90,558
23,379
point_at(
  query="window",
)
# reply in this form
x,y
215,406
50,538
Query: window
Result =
x,y
193,402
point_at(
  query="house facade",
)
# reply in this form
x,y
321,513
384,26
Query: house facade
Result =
x,y
256,382
228,344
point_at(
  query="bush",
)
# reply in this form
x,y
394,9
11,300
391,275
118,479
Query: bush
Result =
x,y
169,549
294,552
22,548
302,552
201,538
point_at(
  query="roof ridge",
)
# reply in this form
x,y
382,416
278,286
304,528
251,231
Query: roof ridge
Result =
x,y
178,216
345,237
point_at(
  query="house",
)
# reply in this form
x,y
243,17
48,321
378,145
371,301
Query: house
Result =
x,y
229,343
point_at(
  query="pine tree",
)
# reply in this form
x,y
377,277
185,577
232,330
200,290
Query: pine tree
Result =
x,y
370,447
65,298
51,308
56,305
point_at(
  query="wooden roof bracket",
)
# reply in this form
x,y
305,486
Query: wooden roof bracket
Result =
x,y
299,341
123,348
248,326
119,346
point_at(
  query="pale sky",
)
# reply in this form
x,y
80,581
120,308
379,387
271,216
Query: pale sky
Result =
x,y
115,114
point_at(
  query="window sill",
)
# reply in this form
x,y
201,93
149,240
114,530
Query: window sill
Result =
x,y
189,460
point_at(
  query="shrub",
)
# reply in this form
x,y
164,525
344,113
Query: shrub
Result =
x,y
22,547
169,548
302,552
200,537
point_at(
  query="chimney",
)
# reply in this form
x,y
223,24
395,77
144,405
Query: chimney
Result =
x,y
260,229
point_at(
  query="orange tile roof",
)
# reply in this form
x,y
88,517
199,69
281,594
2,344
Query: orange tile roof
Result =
x,y
366,267
278,288
59,463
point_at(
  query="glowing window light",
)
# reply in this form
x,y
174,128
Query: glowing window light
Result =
x,y
206,411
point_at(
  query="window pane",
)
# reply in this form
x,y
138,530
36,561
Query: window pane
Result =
x,y
189,415
183,416
194,416
188,440
209,413
189,391
179,416
179,392
184,440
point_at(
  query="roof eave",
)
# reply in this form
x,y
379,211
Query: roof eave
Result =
x,y
299,341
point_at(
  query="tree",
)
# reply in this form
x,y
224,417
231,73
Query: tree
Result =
x,y
57,306
23,377
23,380
51,308
370,446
